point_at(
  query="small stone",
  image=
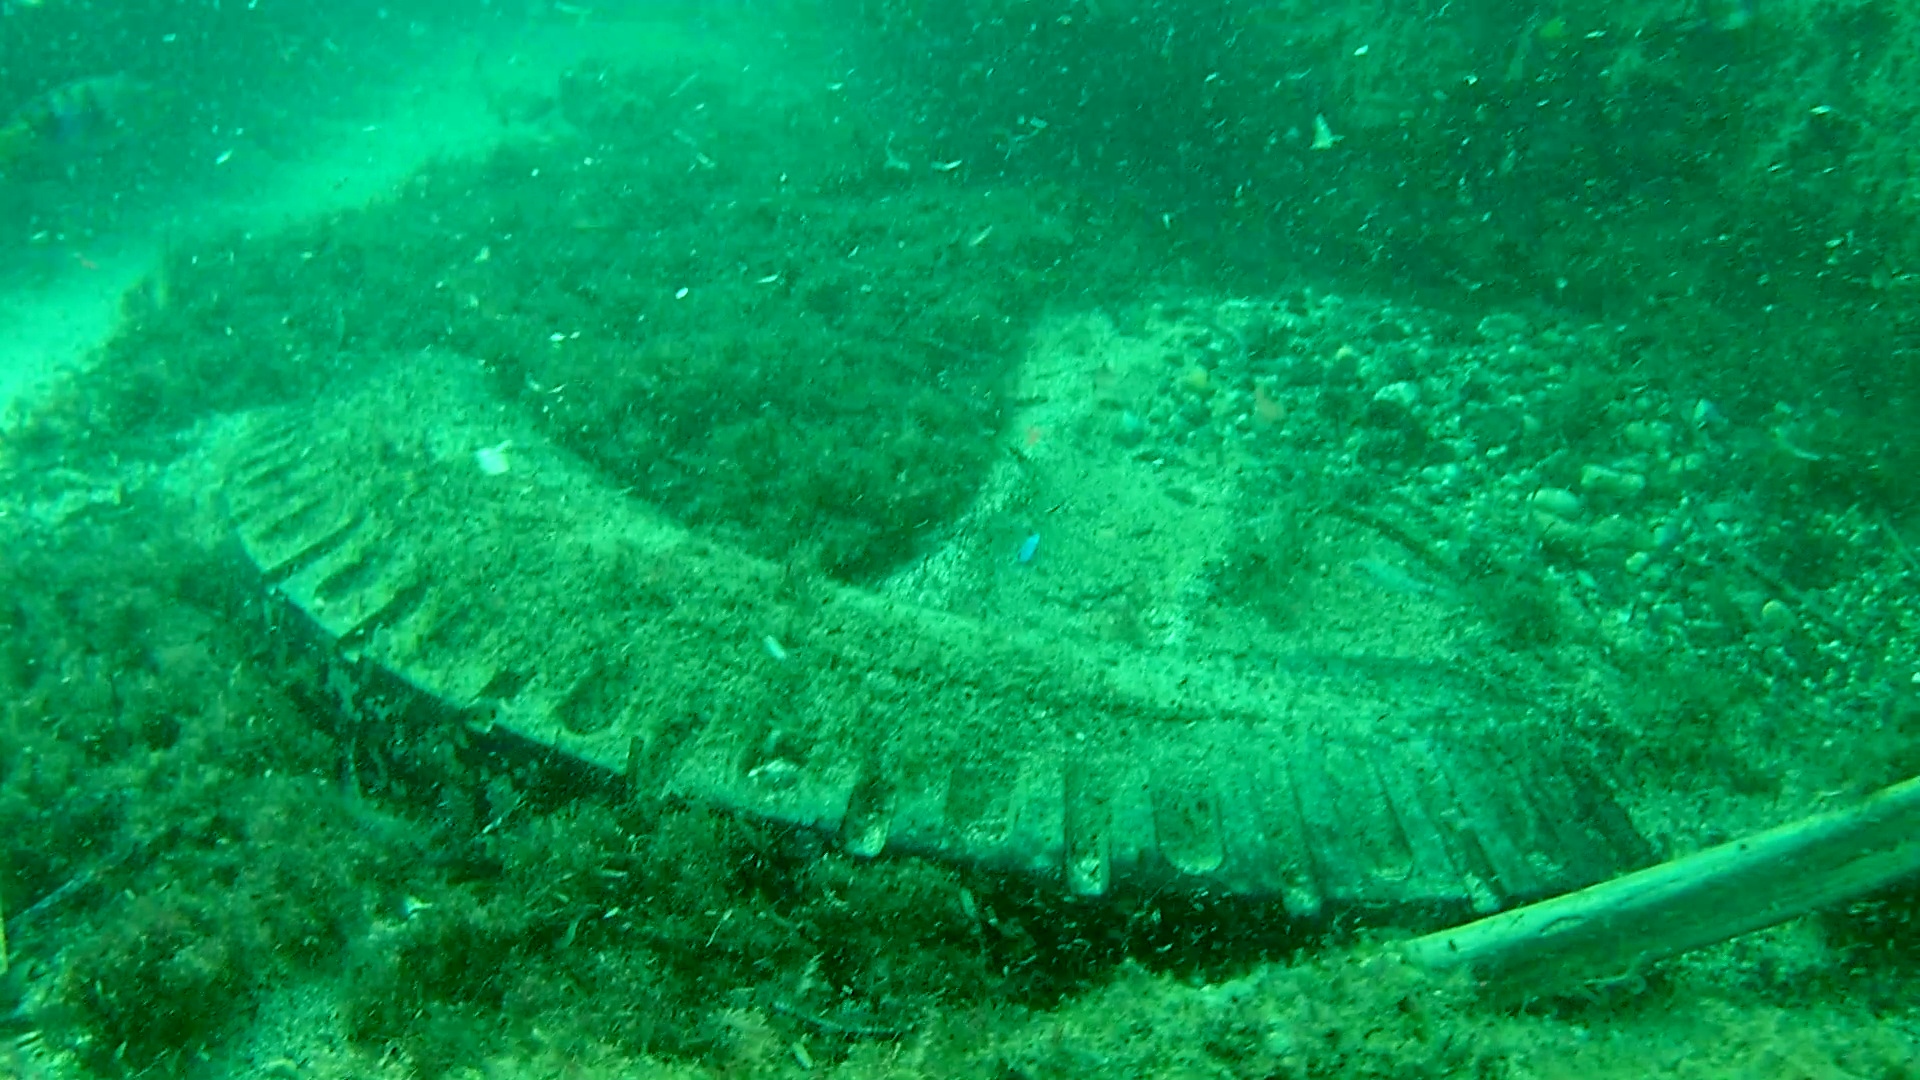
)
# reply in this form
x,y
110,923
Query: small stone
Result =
x,y
1404,395
1617,483
1611,531
1559,502
1558,534
493,460
1393,405
1647,437
1721,512
1503,326
1777,616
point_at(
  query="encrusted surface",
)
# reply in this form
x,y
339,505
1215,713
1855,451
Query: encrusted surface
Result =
x,y
582,620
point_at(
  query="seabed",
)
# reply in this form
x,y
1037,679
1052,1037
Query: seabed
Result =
x,y
757,568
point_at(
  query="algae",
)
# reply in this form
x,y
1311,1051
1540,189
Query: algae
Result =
x,y
191,846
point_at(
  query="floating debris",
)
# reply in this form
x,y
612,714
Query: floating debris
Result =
x,y
1323,136
1029,548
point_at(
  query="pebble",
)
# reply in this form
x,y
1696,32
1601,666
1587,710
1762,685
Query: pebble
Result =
x,y
1777,616
1601,480
1559,502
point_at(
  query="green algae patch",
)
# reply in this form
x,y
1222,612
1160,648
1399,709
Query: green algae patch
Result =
x,y
737,308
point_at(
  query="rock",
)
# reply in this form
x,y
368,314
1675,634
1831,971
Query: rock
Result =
x,y
1616,483
1558,502
1393,405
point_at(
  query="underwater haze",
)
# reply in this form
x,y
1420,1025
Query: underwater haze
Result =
x,y
1006,539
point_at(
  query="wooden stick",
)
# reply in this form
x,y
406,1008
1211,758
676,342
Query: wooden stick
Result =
x,y
1618,927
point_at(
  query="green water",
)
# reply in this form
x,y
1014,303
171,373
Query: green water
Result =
x,y
1552,364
